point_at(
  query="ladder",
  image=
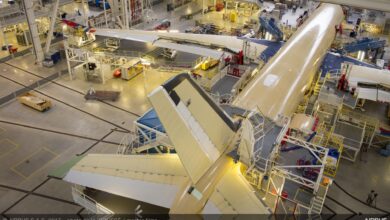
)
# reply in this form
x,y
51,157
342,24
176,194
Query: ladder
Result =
x,y
318,85
317,204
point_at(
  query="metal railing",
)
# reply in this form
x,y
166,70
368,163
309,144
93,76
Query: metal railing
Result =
x,y
89,203
30,87
329,98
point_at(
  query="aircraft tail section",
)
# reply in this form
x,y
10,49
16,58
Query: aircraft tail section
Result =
x,y
198,128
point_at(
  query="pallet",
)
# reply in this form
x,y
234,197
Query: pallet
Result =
x,y
102,95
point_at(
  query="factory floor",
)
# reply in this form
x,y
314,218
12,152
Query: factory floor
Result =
x,y
34,143
370,171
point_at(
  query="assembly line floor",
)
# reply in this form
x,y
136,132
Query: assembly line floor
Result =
x,y
46,140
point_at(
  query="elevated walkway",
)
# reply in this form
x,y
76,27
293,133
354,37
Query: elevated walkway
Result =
x,y
270,26
148,126
363,45
333,61
272,48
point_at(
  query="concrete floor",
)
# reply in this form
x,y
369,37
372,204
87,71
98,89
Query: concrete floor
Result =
x,y
370,172
29,153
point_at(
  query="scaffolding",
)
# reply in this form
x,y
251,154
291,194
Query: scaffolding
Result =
x,y
130,144
128,13
335,145
372,124
75,57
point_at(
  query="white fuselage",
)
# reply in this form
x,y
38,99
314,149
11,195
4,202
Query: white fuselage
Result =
x,y
279,87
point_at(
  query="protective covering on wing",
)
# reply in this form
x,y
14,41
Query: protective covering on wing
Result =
x,y
154,179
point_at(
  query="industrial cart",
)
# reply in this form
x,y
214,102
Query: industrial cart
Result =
x,y
35,102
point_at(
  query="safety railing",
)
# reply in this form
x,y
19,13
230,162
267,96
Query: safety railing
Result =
x,y
89,203
209,83
241,82
30,87
149,134
334,74
329,98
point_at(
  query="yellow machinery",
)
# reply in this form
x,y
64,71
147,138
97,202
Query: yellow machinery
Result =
x,y
35,102
233,16
208,63
131,69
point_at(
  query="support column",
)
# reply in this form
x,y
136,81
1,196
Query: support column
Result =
x,y
203,7
85,16
2,35
28,8
52,23
105,13
126,12
66,47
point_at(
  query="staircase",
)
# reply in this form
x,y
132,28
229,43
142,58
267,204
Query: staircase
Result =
x,y
317,204
318,86
318,200
270,26
261,163
258,124
90,204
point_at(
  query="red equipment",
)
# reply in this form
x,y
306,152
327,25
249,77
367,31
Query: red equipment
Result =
x,y
283,142
165,24
314,128
219,6
117,73
76,26
343,83
239,58
12,49
284,195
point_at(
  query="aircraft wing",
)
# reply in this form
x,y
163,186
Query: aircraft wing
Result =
x,y
234,195
192,43
156,38
198,128
202,51
154,179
